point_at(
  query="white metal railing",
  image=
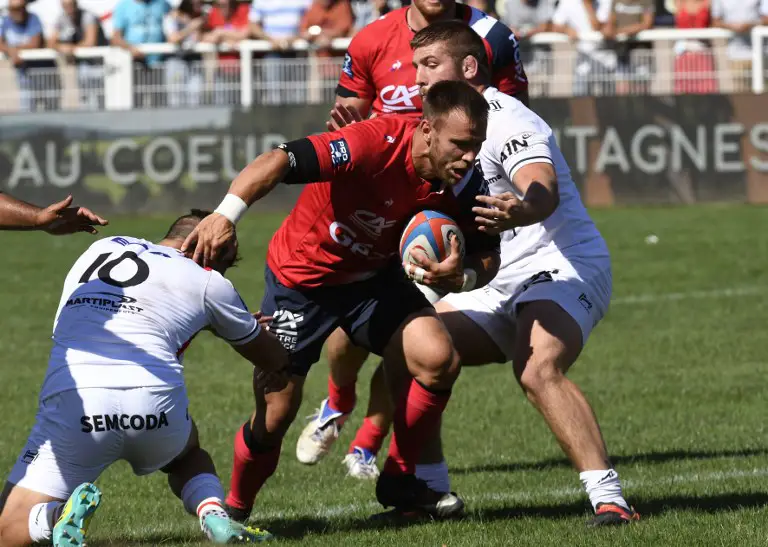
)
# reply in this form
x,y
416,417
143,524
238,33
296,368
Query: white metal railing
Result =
x,y
120,78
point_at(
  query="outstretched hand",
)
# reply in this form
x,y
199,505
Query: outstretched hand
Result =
x,y
61,219
447,275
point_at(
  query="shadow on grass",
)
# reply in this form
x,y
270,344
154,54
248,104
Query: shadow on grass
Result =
x,y
173,538
299,528
648,457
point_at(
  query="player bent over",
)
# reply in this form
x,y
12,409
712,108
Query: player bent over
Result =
x,y
553,287
334,263
114,389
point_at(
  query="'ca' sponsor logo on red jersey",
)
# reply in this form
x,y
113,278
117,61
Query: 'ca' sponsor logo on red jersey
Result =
x,y
398,97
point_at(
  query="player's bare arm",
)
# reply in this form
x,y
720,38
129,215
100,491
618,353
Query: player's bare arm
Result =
x,y
346,112
538,184
268,356
56,219
253,183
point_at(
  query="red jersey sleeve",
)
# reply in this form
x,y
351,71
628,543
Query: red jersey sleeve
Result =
x,y
356,78
352,149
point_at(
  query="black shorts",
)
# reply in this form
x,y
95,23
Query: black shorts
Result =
x,y
369,311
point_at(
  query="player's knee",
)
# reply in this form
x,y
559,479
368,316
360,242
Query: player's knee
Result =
x,y
437,364
13,532
539,372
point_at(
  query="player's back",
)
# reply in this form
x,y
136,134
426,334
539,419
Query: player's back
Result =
x,y
517,136
127,311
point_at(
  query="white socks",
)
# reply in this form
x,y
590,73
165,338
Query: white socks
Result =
x,y
42,519
603,486
203,494
435,475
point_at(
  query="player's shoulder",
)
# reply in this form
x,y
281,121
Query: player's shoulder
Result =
x,y
505,111
382,130
499,37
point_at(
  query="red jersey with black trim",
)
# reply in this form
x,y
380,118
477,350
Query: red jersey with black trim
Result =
x,y
378,64
347,228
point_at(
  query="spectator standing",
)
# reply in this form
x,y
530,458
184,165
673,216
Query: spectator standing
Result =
x,y
184,71
628,18
228,25
594,69
37,80
277,21
137,22
694,62
739,16
74,28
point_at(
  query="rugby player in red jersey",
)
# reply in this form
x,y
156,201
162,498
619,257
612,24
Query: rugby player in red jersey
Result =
x,y
335,263
378,76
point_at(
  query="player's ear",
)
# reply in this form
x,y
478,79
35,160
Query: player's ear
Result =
x,y
426,129
469,67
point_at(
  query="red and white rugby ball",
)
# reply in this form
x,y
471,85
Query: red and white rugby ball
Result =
x,y
430,233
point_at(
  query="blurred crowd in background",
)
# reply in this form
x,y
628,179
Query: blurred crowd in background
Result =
x,y
134,23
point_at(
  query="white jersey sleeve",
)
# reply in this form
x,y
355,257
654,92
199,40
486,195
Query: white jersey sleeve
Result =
x,y
524,149
228,315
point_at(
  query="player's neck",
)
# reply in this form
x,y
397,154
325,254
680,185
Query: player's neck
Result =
x,y
172,243
417,20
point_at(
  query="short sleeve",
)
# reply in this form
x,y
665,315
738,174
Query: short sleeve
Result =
x,y
119,20
228,315
346,151
522,149
356,79
34,26
89,19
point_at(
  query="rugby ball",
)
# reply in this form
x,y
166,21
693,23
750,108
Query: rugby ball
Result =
x,y
430,233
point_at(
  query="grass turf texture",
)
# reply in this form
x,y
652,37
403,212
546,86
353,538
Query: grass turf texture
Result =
x,y
678,383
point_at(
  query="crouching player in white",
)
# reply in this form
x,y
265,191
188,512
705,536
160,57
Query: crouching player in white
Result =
x,y
553,287
115,389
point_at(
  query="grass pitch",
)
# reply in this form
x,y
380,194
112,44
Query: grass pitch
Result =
x,y
676,374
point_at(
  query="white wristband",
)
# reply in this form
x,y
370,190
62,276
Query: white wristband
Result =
x,y
232,207
470,280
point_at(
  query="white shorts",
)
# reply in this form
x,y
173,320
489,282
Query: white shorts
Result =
x,y
79,433
582,289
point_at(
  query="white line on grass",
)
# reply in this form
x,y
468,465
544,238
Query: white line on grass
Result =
x,y
551,494
689,295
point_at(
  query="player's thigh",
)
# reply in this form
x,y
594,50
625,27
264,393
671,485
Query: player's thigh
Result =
x,y
156,426
63,449
424,345
549,340
478,332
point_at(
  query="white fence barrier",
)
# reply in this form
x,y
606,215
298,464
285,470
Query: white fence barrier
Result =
x,y
674,61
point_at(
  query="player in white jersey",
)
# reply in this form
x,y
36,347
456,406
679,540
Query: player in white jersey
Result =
x,y
56,219
115,388
553,287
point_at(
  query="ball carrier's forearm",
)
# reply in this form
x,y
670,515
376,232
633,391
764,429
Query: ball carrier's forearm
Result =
x,y
253,183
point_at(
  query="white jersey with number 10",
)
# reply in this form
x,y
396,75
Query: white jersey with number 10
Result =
x,y
128,310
